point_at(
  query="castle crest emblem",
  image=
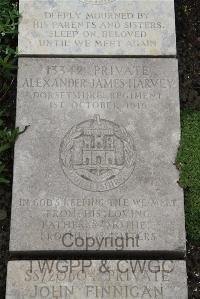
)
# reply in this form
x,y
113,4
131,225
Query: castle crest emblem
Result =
x,y
97,155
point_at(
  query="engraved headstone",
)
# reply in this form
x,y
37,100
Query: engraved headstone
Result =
x,y
94,170
96,279
97,27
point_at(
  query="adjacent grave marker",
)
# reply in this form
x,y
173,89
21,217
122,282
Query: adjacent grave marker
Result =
x,y
95,169
96,279
97,27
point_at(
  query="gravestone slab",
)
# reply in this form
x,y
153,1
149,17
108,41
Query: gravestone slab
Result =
x,y
97,279
94,170
97,27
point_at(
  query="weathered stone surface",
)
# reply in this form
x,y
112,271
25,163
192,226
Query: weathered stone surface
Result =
x,y
82,27
96,279
95,167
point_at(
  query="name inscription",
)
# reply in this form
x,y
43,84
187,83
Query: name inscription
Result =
x,y
95,279
115,88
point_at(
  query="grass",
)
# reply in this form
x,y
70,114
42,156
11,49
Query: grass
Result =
x,y
188,162
8,66
8,36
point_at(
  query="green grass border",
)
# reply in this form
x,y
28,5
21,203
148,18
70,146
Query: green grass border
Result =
x,y
188,162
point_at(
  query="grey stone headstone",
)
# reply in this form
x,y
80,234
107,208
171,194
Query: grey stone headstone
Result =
x,y
97,27
95,168
91,279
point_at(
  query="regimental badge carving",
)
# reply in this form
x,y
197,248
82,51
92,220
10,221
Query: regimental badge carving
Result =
x,y
97,2
97,155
